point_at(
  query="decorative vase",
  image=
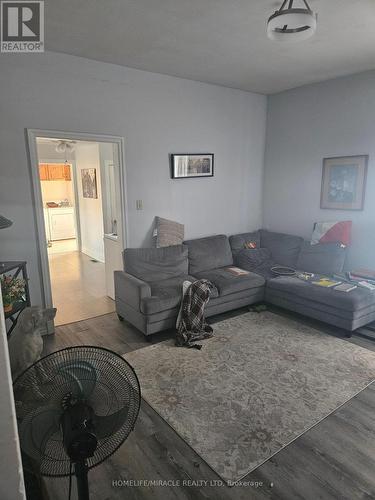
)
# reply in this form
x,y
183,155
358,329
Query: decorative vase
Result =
x,y
8,307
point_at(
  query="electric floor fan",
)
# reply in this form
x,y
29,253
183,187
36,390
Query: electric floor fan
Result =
x,y
75,407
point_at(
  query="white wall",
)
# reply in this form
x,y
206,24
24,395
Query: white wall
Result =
x,y
156,115
57,191
334,118
90,209
47,152
11,476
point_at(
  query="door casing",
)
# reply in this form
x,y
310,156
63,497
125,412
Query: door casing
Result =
x,y
31,136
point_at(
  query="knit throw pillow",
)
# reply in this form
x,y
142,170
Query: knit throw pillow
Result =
x,y
168,233
250,245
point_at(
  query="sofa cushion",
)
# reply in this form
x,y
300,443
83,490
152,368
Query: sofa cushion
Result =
x,y
251,259
352,301
239,241
155,264
284,248
226,282
167,294
323,258
209,253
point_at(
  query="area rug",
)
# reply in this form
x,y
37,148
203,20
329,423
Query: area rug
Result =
x,y
257,385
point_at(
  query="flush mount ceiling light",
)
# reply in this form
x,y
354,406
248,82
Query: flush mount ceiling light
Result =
x,y
291,23
65,147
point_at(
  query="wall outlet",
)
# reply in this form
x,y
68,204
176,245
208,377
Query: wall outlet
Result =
x,y
139,204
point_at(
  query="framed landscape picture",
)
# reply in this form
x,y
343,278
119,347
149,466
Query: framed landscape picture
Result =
x,y
344,182
89,186
192,165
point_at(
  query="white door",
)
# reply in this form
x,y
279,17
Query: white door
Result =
x,y
112,212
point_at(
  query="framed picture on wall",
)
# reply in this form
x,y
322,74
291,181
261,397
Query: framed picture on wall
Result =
x,y
344,182
192,165
89,186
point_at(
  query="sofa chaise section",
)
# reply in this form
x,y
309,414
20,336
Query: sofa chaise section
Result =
x,y
344,310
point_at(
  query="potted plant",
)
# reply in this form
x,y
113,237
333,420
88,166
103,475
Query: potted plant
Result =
x,y
12,290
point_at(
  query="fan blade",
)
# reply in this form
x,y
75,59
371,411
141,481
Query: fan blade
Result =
x,y
108,425
36,429
81,374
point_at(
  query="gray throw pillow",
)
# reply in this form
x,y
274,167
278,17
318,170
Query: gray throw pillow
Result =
x,y
323,258
168,233
251,259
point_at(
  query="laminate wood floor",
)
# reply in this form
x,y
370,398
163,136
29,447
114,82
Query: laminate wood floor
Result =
x,y
78,287
335,460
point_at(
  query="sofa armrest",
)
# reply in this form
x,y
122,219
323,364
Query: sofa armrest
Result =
x,y
130,289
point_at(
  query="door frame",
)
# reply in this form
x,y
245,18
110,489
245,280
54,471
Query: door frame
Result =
x,y
31,135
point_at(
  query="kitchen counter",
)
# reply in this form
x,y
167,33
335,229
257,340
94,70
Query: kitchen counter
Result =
x,y
60,206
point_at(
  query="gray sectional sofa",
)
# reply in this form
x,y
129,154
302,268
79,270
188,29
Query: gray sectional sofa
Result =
x,y
148,291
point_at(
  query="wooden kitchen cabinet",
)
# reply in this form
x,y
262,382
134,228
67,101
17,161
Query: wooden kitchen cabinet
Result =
x,y
67,173
43,171
55,172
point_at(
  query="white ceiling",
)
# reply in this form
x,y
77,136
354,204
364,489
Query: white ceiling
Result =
x,y
216,41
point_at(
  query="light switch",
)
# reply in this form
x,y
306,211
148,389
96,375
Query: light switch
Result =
x,y
139,204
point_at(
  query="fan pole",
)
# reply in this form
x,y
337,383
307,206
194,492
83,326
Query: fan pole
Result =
x,y
80,469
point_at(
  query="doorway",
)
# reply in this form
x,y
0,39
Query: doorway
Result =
x,y
78,182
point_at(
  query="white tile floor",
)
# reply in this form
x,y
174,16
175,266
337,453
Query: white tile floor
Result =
x,y
59,246
78,287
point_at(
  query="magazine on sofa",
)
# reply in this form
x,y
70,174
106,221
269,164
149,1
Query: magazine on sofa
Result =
x,y
326,282
237,271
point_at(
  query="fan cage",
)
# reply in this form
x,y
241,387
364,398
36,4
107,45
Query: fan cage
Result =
x,y
39,393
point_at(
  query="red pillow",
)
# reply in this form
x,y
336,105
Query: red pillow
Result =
x,y
332,232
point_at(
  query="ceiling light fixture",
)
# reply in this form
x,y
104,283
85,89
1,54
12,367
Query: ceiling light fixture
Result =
x,y
291,23
64,147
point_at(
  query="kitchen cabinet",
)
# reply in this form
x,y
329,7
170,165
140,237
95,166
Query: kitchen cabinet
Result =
x,y
43,171
55,172
61,223
67,173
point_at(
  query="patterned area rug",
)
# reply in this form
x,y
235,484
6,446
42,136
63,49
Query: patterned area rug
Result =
x,y
258,384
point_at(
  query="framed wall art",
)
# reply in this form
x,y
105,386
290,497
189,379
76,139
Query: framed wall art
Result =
x,y
89,185
184,166
344,182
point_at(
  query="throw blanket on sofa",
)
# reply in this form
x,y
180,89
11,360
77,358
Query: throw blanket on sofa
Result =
x,y
191,323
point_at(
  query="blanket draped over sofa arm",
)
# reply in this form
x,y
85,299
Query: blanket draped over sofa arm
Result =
x,y
192,324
